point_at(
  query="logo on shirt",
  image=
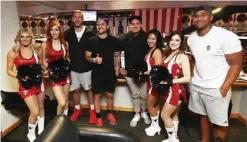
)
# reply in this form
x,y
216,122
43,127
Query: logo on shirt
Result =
x,y
208,47
25,92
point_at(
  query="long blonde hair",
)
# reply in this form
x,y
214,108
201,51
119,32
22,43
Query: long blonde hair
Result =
x,y
33,45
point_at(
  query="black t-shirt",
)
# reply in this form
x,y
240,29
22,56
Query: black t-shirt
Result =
x,y
135,49
106,49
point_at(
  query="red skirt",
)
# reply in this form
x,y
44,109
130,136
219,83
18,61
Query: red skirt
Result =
x,y
61,82
32,91
151,90
174,94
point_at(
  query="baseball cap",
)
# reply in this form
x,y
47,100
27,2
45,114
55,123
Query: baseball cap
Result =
x,y
204,7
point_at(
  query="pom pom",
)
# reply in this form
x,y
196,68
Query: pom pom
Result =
x,y
59,69
160,73
30,75
139,68
38,74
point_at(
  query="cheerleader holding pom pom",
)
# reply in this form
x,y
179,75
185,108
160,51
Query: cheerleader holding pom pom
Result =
x,y
55,59
25,57
178,66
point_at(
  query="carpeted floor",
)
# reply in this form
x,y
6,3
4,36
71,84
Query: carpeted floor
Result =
x,y
237,131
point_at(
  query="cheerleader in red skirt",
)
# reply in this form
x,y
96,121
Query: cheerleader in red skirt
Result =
x,y
153,57
178,65
55,59
24,56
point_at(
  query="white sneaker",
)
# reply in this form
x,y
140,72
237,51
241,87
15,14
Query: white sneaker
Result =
x,y
31,138
144,115
171,140
134,121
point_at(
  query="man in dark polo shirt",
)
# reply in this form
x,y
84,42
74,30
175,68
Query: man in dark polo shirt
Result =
x,y
77,37
135,48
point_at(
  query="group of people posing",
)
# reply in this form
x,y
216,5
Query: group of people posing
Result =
x,y
94,65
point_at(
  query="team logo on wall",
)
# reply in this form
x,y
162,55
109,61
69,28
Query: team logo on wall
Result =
x,y
208,47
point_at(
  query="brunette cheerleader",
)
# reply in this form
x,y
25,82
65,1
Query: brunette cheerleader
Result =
x,y
178,65
153,57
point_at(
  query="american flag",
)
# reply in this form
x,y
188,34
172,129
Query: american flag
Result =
x,y
165,20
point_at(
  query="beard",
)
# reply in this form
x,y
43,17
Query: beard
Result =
x,y
101,33
135,32
202,27
77,26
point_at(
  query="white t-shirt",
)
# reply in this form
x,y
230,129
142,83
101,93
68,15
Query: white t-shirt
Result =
x,y
209,51
79,34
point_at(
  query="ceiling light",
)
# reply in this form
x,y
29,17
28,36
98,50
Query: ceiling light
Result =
x,y
217,10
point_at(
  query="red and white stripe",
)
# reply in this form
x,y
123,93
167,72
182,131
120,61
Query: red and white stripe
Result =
x,y
165,20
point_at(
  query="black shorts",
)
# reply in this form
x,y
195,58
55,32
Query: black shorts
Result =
x,y
103,84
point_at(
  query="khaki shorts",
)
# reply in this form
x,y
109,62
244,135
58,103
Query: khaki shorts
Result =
x,y
209,101
81,80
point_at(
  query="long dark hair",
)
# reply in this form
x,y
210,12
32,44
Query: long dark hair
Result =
x,y
158,38
182,47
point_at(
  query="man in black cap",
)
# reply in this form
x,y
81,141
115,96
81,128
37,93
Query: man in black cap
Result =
x,y
218,62
135,47
101,50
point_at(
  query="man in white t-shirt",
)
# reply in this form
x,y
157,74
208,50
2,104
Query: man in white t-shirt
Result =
x,y
77,38
218,62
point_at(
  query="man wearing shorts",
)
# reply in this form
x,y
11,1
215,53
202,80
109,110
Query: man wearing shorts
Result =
x,y
100,51
77,37
218,62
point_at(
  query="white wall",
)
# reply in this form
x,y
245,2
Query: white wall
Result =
x,y
9,28
122,97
